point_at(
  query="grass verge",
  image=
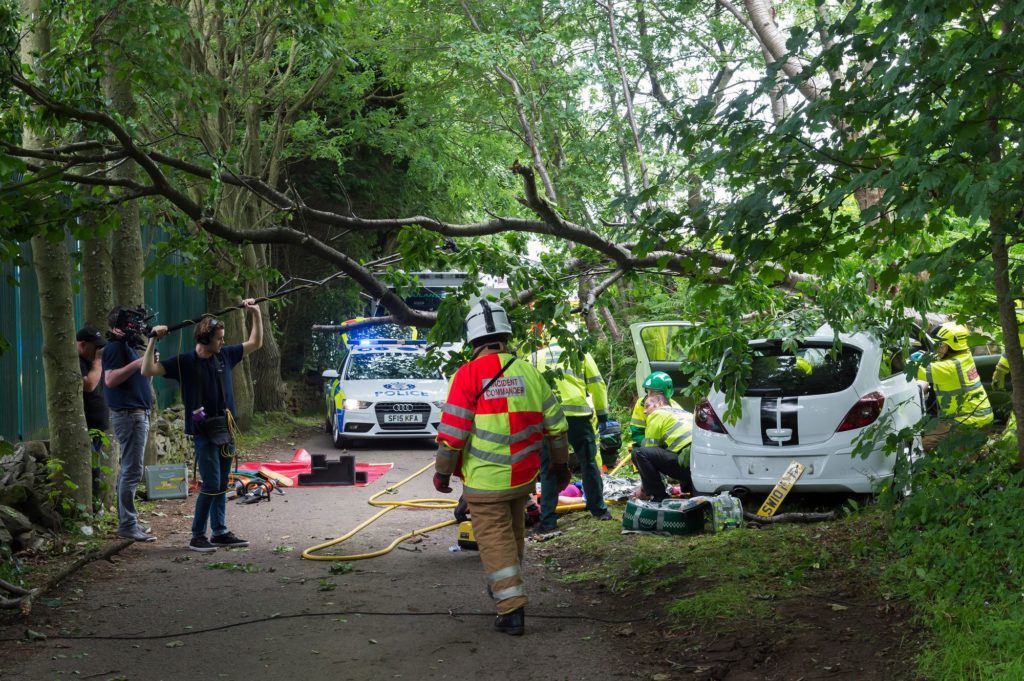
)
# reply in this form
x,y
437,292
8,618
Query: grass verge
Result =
x,y
959,539
725,580
276,425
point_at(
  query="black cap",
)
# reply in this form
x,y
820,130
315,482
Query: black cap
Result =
x,y
90,334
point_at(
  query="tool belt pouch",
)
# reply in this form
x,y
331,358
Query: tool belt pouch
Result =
x,y
216,429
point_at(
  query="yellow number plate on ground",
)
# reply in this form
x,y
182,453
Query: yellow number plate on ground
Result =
x,y
782,487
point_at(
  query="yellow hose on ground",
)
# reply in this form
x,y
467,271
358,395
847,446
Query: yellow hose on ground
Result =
x,y
388,506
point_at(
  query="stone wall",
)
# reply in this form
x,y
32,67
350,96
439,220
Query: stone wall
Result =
x,y
168,434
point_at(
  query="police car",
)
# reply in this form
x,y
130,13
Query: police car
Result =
x,y
383,390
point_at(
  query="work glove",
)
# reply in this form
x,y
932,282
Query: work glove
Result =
x,y
441,483
532,515
563,476
602,422
462,510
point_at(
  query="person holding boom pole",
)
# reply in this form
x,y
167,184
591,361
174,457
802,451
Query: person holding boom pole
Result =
x,y
208,397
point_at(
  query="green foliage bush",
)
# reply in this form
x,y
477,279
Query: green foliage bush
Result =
x,y
958,539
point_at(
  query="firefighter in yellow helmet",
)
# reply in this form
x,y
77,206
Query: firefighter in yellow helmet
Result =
x,y
953,379
499,413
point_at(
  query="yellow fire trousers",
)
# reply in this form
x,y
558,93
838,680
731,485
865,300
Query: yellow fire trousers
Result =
x,y
500,532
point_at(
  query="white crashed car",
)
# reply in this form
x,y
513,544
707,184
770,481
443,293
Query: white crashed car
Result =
x,y
384,391
810,406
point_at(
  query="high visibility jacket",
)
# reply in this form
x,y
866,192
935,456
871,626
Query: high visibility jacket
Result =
x,y
577,382
498,431
1002,369
958,389
671,429
638,420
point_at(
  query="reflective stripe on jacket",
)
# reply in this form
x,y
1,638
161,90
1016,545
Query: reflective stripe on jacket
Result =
x,y
958,389
638,420
500,431
671,429
576,383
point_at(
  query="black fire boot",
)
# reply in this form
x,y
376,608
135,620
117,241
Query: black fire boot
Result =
x,y
513,624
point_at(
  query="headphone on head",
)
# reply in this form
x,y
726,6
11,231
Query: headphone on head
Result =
x,y
205,337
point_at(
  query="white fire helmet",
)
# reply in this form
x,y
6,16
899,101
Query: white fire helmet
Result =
x,y
486,319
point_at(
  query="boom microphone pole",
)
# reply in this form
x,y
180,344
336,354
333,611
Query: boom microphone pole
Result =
x,y
387,260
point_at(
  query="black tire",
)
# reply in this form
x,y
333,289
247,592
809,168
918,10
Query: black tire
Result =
x,y
336,437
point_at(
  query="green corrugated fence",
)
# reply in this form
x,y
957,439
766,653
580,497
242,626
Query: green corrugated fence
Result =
x,y
22,386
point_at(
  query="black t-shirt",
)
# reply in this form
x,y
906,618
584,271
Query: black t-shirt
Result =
x,y
96,414
200,384
133,393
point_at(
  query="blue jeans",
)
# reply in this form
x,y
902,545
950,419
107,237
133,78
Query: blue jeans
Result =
x,y
131,428
211,502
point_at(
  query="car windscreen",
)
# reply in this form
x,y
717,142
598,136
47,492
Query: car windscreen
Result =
x,y
811,369
379,366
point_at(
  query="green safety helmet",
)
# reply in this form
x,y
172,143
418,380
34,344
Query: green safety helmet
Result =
x,y
953,335
661,382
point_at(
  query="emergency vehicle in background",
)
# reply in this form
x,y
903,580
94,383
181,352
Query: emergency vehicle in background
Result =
x,y
383,387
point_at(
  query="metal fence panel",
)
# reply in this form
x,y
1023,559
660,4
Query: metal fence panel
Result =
x,y
22,383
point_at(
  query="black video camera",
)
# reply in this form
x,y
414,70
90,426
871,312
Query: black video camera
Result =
x,y
134,323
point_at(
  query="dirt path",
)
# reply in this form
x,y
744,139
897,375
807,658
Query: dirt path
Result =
x,y
158,612
278,623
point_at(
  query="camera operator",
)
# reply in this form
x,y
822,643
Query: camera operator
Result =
x,y
89,343
130,397
208,396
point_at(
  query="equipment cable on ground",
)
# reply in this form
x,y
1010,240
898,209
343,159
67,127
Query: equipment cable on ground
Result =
x,y
340,613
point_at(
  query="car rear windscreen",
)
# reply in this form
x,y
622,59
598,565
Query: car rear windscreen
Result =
x,y
810,370
378,366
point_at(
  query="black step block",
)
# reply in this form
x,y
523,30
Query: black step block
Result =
x,y
342,472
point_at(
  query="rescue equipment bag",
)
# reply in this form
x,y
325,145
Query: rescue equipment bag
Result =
x,y
673,516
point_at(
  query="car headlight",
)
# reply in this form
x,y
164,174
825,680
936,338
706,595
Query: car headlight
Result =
x,y
439,404
356,404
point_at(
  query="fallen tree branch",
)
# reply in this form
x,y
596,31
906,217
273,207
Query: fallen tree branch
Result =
x,y
789,518
680,260
24,597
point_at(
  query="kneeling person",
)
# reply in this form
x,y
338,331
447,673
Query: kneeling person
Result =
x,y
666,447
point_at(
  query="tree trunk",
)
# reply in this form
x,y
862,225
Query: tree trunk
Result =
x,y
126,253
590,316
97,281
69,440
609,321
627,93
265,364
1009,325
235,332
97,300
127,256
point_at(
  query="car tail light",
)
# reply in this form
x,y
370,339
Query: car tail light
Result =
x,y
706,418
865,412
